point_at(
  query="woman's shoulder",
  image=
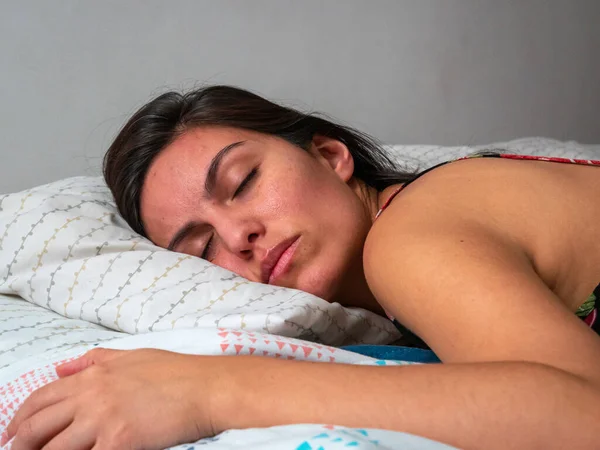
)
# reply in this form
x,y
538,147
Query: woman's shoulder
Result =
x,y
422,221
432,216
491,207
446,200
507,196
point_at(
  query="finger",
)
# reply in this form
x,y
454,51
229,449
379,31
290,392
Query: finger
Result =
x,y
41,398
94,356
75,437
72,367
41,427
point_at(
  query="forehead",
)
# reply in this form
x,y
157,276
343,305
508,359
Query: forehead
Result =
x,y
189,155
198,145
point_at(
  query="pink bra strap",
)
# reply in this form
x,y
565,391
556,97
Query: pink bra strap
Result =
x,y
389,200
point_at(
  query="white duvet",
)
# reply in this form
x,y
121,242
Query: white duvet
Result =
x,y
35,340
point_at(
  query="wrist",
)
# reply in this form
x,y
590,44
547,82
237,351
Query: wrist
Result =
x,y
228,392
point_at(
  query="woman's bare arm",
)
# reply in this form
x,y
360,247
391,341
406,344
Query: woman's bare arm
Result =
x,y
470,405
521,370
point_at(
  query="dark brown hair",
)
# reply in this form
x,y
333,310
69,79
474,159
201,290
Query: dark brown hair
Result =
x,y
158,123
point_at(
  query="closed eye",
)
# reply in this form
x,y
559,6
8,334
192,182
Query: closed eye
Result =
x,y
244,183
207,249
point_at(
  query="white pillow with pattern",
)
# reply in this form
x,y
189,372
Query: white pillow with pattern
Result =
x,y
63,246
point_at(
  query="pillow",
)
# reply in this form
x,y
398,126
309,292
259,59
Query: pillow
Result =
x,y
63,246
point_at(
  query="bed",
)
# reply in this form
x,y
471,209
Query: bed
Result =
x,y
73,276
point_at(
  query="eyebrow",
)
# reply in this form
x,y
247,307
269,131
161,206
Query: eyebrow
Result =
x,y
213,168
209,185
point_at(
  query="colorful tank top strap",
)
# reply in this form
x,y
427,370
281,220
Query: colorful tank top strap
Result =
x,y
492,154
589,313
403,186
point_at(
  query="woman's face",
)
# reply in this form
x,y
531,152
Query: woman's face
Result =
x,y
260,207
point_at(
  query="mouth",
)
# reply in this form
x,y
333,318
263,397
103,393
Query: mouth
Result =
x,y
277,260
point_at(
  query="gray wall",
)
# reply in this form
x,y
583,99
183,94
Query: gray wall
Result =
x,y
410,71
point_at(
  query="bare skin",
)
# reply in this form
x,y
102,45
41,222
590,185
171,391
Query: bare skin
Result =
x,y
485,259
495,257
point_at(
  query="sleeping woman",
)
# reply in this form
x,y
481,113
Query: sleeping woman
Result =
x,y
493,262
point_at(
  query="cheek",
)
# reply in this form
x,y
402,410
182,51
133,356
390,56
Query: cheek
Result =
x,y
283,197
325,208
305,198
300,190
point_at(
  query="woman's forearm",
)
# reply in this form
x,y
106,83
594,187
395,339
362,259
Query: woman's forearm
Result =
x,y
478,405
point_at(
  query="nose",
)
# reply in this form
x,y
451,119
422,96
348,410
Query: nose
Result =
x,y
240,236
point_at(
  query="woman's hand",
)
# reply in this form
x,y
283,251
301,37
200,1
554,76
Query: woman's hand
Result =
x,y
116,399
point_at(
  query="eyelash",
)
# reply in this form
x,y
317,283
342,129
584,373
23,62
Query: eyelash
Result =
x,y
244,183
207,249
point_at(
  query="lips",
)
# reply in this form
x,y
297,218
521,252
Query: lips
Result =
x,y
273,264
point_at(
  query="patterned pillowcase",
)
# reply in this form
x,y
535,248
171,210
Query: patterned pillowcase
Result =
x,y
63,246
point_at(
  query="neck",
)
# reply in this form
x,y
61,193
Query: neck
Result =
x,y
357,294
372,199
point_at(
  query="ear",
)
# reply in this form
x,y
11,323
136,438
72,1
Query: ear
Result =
x,y
333,154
